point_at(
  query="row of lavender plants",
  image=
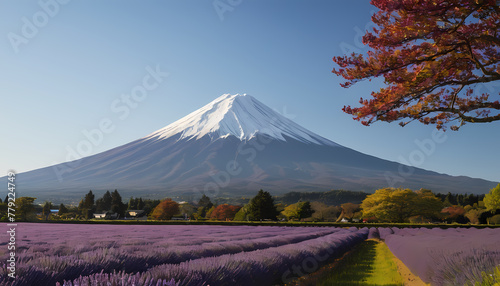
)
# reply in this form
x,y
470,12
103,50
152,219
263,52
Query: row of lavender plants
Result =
x,y
454,256
48,253
271,266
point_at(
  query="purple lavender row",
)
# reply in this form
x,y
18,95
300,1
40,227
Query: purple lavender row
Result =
x,y
384,232
105,279
50,266
447,256
260,267
43,235
373,233
37,239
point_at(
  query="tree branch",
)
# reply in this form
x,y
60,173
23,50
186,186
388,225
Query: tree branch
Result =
x,y
479,65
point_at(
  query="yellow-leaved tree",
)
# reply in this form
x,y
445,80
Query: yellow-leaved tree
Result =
x,y
492,199
398,205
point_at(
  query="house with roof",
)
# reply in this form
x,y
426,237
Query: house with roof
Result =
x,y
136,214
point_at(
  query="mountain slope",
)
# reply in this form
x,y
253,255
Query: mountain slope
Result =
x,y
234,145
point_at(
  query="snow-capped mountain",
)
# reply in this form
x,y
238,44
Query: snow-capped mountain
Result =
x,y
241,116
235,145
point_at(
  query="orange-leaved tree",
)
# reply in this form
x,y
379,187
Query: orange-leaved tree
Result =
x,y
165,210
437,59
224,212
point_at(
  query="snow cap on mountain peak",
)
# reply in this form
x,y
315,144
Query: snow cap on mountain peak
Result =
x,y
238,115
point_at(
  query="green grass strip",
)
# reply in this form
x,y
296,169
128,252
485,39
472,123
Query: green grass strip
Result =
x,y
369,263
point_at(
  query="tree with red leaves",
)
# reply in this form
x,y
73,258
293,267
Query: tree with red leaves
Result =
x,y
453,211
435,56
224,212
165,210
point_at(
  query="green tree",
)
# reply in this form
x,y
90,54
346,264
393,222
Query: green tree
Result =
x,y
117,205
474,212
89,214
209,212
348,210
494,219
99,205
86,207
448,200
204,204
427,204
81,208
323,212
305,210
150,205
104,204
262,207
165,210
242,214
492,199
187,210
135,204
132,204
469,200
140,204
62,210
46,210
291,212
25,209
107,201
88,200
398,205
3,211
298,210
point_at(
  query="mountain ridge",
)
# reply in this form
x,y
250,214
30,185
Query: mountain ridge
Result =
x,y
235,145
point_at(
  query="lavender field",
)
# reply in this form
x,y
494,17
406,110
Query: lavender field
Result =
x,y
62,254
454,256
65,254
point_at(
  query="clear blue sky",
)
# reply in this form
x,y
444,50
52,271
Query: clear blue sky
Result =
x,y
62,76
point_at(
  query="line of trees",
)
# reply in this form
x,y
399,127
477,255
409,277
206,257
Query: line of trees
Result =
x,y
110,202
385,205
404,205
261,207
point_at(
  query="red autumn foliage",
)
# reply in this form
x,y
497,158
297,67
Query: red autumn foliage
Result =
x,y
224,212
454,211
435,56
